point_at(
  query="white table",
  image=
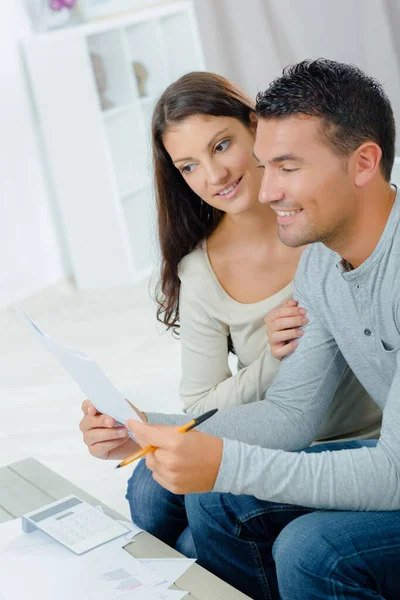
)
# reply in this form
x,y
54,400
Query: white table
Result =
x,y
27,485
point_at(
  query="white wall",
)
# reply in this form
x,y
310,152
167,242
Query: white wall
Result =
x,y
251,41
247,41
29,254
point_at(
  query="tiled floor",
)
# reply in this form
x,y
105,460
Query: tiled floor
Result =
x,y
40,405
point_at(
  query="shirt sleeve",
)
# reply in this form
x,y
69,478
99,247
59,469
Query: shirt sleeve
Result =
x,y
295,404
207,381
356,479
360,479
259,438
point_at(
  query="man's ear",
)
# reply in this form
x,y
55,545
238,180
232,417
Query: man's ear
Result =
x,y
366,163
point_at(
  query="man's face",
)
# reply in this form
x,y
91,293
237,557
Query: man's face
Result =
x,y
305,182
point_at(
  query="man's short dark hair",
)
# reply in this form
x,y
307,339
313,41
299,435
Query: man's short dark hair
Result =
x,y
353,106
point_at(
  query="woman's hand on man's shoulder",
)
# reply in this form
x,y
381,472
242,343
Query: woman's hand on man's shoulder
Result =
x,y
284,327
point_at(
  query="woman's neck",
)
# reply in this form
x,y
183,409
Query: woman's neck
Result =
x,y
258,224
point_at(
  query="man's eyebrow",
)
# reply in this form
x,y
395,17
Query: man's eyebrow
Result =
x,y
210,143
290,156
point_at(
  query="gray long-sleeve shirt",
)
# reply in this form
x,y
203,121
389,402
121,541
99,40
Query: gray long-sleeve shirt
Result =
x,y
355,320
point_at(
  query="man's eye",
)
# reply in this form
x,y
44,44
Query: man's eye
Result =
x,y
286,170
222,146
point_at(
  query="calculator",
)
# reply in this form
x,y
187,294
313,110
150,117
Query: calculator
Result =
x,y
77,525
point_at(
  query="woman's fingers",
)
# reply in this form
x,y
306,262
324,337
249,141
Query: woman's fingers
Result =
x,y
285,335
288,323
284,325
92,419
96,436
88,408
284,312
281,350
103,449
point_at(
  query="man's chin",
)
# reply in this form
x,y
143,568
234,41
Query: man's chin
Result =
x,y
293,239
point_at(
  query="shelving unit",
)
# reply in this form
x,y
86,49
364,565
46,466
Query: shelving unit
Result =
x,y
95,88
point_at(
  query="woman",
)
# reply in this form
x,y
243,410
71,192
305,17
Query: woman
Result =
x,y
223,269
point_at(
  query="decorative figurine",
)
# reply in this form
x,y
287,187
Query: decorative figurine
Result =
x,y
101,80
141,74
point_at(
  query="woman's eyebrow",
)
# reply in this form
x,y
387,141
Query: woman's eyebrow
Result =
x,y
210,143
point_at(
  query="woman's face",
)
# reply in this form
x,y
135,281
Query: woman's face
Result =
x,y
215,157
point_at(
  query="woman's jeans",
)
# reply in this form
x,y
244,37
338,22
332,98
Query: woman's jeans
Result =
x,y
277,551
158,511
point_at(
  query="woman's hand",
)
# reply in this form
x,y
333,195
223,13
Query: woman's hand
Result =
x,y
102,438
283,328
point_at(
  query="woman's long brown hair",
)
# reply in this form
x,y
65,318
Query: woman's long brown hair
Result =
x,y
183,218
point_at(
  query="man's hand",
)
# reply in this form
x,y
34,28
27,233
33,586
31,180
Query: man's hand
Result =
x,y
183,462
283,327
102,438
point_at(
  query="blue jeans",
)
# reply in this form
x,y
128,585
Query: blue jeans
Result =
x,y
158,511
277,551
270,550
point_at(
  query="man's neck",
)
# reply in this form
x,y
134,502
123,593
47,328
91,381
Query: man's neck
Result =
x,y
361,239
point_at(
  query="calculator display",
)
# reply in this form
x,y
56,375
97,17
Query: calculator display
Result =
x,y
54,510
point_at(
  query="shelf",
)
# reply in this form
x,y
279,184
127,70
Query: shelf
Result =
x,y
128,149
148,109
177,33
109,113
146,57
113,82
141,188
100,157
140,218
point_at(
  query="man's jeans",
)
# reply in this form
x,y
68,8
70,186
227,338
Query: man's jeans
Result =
x,y
269,550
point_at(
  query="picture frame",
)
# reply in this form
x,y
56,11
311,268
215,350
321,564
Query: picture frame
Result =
x,y
43,17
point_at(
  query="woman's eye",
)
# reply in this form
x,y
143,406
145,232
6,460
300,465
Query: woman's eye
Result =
x,y
260,167
286,170
222,146
187,169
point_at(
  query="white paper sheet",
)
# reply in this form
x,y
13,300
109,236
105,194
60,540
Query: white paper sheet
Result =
x,y
14,540
173,595
87,374
51,571
169,569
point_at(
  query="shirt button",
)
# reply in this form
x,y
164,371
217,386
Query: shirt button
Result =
x,y
367,332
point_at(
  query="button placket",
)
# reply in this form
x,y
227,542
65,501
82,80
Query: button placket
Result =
x,y
366,320
363,308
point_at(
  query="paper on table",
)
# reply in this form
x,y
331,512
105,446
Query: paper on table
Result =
x,y
173,595
111,576
88,375
51,571
13,540
169,569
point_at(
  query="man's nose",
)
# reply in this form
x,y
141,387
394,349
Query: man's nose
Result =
x,y
270,190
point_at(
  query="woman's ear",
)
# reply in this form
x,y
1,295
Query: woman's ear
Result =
x,y
253,121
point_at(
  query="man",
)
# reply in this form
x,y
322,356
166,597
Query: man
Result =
x,y
313,524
